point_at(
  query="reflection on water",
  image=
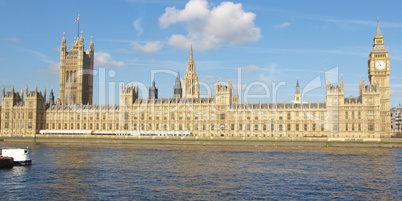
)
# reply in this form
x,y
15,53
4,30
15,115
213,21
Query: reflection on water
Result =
x,y
152,172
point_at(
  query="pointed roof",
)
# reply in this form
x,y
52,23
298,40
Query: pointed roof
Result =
x,y
191,59
297,87
378,45
378,33
177,83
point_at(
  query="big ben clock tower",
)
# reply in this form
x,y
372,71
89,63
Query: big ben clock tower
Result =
x,y
378,71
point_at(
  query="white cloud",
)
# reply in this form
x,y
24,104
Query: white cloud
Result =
x,y
209,28
12,39
138,27
53,68
105,60
285,24
250,68
150,47
194,9
180,41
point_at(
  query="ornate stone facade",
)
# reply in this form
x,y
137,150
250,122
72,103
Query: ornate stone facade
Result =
x,y
23,113
76,72
362,117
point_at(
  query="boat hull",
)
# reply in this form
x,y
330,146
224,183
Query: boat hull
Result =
x,y
23,163
6,162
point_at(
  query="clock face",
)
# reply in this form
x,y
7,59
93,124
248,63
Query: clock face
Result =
x,y
380,65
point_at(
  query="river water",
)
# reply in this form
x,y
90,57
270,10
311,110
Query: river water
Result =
x,y
189,172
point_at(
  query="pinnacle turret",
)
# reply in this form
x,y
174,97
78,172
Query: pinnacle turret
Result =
x,y
91,44
297,98
63,40
81,38
153,91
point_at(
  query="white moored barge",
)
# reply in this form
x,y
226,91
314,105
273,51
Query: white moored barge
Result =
x,y
21,156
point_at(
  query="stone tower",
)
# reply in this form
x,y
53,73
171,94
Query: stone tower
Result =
x,y
153,91
76,72
23,113
223,102
177,88
191,85
128,94
378,71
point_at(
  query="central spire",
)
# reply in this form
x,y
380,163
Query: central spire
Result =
x,y
191,52
191,64
190,82
297,87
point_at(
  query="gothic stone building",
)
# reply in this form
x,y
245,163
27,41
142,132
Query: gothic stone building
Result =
x,y
363,117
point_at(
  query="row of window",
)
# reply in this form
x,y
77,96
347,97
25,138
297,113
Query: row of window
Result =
x,y
90,116
18,115
30,104
18,125
173,116
197,116
353,127
247,127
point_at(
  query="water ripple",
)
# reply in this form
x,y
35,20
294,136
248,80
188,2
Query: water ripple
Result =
x,y
161,172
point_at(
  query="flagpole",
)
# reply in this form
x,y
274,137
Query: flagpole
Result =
x,y
78,31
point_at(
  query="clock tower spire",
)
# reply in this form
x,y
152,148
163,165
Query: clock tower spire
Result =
x,y
378,72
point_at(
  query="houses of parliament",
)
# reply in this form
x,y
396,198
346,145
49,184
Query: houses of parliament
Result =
x,y
363,117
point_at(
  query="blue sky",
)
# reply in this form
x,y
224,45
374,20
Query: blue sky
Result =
x,y
273,43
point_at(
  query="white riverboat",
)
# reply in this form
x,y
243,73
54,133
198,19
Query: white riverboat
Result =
x,y
21,156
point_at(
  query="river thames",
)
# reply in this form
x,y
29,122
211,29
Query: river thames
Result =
x,y
190,172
